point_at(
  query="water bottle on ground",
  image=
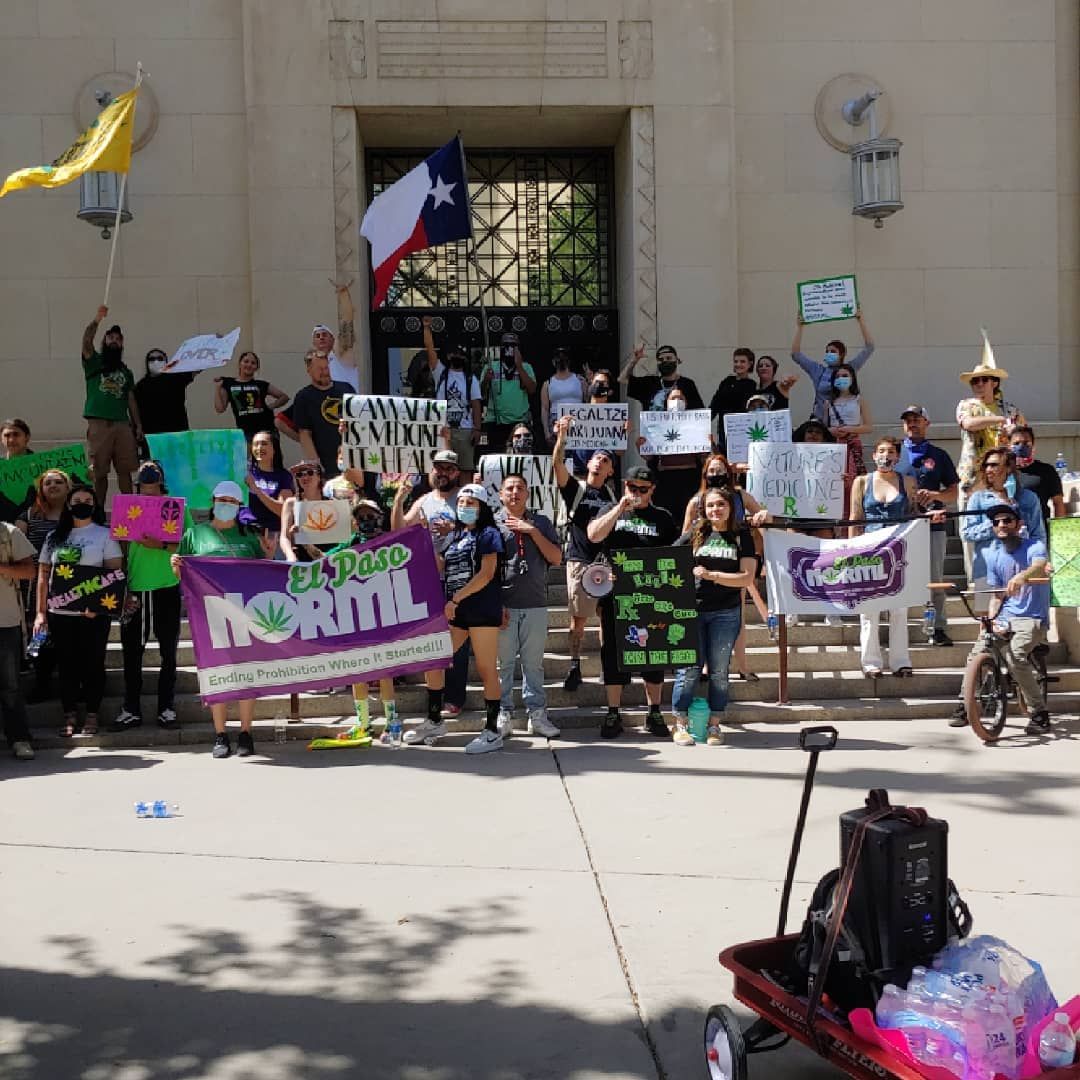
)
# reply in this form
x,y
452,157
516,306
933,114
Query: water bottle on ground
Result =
x,y
1061,465
393,727
773,624
281,727
698,719
1057,1043
157,809
929,617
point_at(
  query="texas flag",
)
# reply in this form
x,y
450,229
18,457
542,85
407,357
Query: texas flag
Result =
x,y
428,206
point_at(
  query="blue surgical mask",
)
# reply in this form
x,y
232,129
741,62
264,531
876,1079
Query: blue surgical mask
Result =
x,y
842,382
467,515
1022,451
832,358
226,511
1010,487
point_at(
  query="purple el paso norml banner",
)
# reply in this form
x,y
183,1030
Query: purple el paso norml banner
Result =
x,y
366,612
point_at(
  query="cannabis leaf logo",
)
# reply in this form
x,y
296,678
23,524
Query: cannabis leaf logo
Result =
x,y
757,433
671,435
64,571
320,520
169,527
274,620
134,512
847,309
675,581
108,602
823,509
619,558
373,457
120,531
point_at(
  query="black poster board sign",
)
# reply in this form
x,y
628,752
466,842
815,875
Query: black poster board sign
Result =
x,y
655,611
78,588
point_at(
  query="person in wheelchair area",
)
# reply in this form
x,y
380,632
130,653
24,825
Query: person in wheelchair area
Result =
x,y
1021,609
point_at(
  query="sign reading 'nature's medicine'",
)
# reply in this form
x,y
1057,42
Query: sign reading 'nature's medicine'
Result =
x,y
387,434
803,480
367,612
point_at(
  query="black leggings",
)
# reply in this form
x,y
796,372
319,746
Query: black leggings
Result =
x,y
160,609
80,656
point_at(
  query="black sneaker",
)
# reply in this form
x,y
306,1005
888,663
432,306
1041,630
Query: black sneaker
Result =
x,y
1039,724
245,744
573,678
222,746
959,717
611,726
655,726
940,638
124,720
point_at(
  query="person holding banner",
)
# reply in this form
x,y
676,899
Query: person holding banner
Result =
x,y
252,400
456,385
308,480
162,396
224,537
474,609
724,565
679,474
821,373
80,638
316,411
564,386
881,498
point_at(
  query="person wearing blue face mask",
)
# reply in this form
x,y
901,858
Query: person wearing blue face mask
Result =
x,y
1038,476
848,417
820,371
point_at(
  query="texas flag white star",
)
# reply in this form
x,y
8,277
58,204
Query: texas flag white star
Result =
x,y
440,193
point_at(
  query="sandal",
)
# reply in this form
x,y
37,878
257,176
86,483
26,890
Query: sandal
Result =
x,y
903,673
69,727
749,676
90,726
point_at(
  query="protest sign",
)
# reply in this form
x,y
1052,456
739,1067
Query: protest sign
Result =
x,y
323,521
887,568
75,588
686,432
367,612
828,299
196,461
596,427
655,610
18,474
203,351
539,473
742,429
147,517
1065,560
387,434
804,480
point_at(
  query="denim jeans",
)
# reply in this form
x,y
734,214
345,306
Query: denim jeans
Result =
x,y
717,631
938,541
524,637
12,705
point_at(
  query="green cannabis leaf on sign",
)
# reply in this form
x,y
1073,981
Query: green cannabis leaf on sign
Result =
x,y
671,435
675,581
757,433
373,457
273,620
847,310
619,558
822,509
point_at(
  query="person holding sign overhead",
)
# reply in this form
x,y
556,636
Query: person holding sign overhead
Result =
x,y
460,389
80,638
633,522
820,372
679,474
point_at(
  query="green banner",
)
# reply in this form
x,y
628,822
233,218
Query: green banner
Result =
x,y
18,474
196,461
1065,560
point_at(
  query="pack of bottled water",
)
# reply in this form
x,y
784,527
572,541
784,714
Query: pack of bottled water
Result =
x,y
970,1013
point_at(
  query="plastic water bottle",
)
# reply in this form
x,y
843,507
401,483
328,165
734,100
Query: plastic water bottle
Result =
x,y
1000,1039
929,618
773,624
1061,465
281,727
37,643
892,1002
393,727
698,717
157,809
1057,1043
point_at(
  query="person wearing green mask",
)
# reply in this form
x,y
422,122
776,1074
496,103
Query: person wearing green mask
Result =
x,y
820,371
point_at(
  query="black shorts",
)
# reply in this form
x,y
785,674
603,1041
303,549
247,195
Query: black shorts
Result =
x,y
609,654
465,618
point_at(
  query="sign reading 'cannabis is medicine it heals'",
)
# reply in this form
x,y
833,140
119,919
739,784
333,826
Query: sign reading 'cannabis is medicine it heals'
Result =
x,y
655,610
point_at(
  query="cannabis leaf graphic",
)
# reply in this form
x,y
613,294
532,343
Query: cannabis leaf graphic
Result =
x,y
619,558
134,512
823,509
64,571
758,433
675,581
120,531
847,309
672,435
373,457
168,527
108,602
273,620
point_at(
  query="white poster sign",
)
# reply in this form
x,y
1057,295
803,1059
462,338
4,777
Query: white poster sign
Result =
x,y
596,427
888,568
742,429
539,473
687,432
202,352
323,521
391,434
828,299
804,480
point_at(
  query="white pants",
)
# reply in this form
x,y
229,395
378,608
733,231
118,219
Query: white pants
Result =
x,y
870,643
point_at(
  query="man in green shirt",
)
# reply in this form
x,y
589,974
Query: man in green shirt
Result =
x,y
112,415
508,383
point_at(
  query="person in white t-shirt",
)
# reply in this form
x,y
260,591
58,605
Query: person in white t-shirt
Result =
x,y
460,389
342,365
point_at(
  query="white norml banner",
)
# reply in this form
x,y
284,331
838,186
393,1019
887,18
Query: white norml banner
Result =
x,y
803,480
539,473
386,434
596,427
668,432
888,568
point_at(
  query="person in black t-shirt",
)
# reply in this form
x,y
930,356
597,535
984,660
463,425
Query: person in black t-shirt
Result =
x,y
583,502
652,390
733,392
776,390
316,411
252,400
162,397
724,564
1037,476
633,522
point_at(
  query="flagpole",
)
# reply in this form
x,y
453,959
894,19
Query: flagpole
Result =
x,y
471,255
120,196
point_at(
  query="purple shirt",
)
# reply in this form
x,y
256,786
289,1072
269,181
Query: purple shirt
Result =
x,y
271,484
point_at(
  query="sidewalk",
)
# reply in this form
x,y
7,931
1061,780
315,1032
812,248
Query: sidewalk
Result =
x,y
421,915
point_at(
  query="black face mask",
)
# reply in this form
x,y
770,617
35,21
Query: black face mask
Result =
x,y
716,480
522,444
599,389
668,367
457,362
82,511
112,356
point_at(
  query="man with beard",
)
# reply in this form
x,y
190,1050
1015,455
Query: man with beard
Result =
x,y
111,411
652,390
316,411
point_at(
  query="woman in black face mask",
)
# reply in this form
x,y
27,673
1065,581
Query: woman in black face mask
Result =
x,y
601,392
564,387
521,440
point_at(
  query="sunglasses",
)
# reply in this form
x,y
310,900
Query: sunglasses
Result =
x,y
994,465
1004,519
303,474
639,489
981,379
601,389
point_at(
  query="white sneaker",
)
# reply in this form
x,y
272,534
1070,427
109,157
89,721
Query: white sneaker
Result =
x,y
23,750
539,724
485,742
833,620
505,723
793,620
427,732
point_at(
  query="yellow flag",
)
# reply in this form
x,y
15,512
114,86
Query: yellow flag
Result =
x,y
105,146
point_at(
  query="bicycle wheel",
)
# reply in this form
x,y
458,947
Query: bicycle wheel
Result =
x,y
985,697
725,1051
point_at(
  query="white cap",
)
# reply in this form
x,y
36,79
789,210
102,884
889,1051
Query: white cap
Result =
x,y
473,491
229,489
321,328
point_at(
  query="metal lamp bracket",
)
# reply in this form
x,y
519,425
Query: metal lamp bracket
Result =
x,y
833,112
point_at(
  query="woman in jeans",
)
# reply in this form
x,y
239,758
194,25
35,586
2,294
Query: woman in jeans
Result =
x,y
80,638
724,564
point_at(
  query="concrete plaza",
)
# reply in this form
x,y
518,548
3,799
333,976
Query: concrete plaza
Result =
x,y
553,911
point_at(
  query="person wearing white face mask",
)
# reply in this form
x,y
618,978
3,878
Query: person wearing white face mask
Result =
x,y
161,396
678,475
820,371
223,537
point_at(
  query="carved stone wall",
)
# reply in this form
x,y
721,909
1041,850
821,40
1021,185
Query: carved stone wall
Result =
x,y
348,52
643,149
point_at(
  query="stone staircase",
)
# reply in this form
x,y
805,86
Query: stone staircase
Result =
x,y
825,682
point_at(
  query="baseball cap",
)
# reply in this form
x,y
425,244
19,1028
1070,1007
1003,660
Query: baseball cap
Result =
x,y
229,489
1002,508
445,457
915,410
757,397
321,328
115,329
640,472
473,491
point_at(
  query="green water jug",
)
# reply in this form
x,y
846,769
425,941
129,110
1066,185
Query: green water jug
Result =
x,y
698,719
